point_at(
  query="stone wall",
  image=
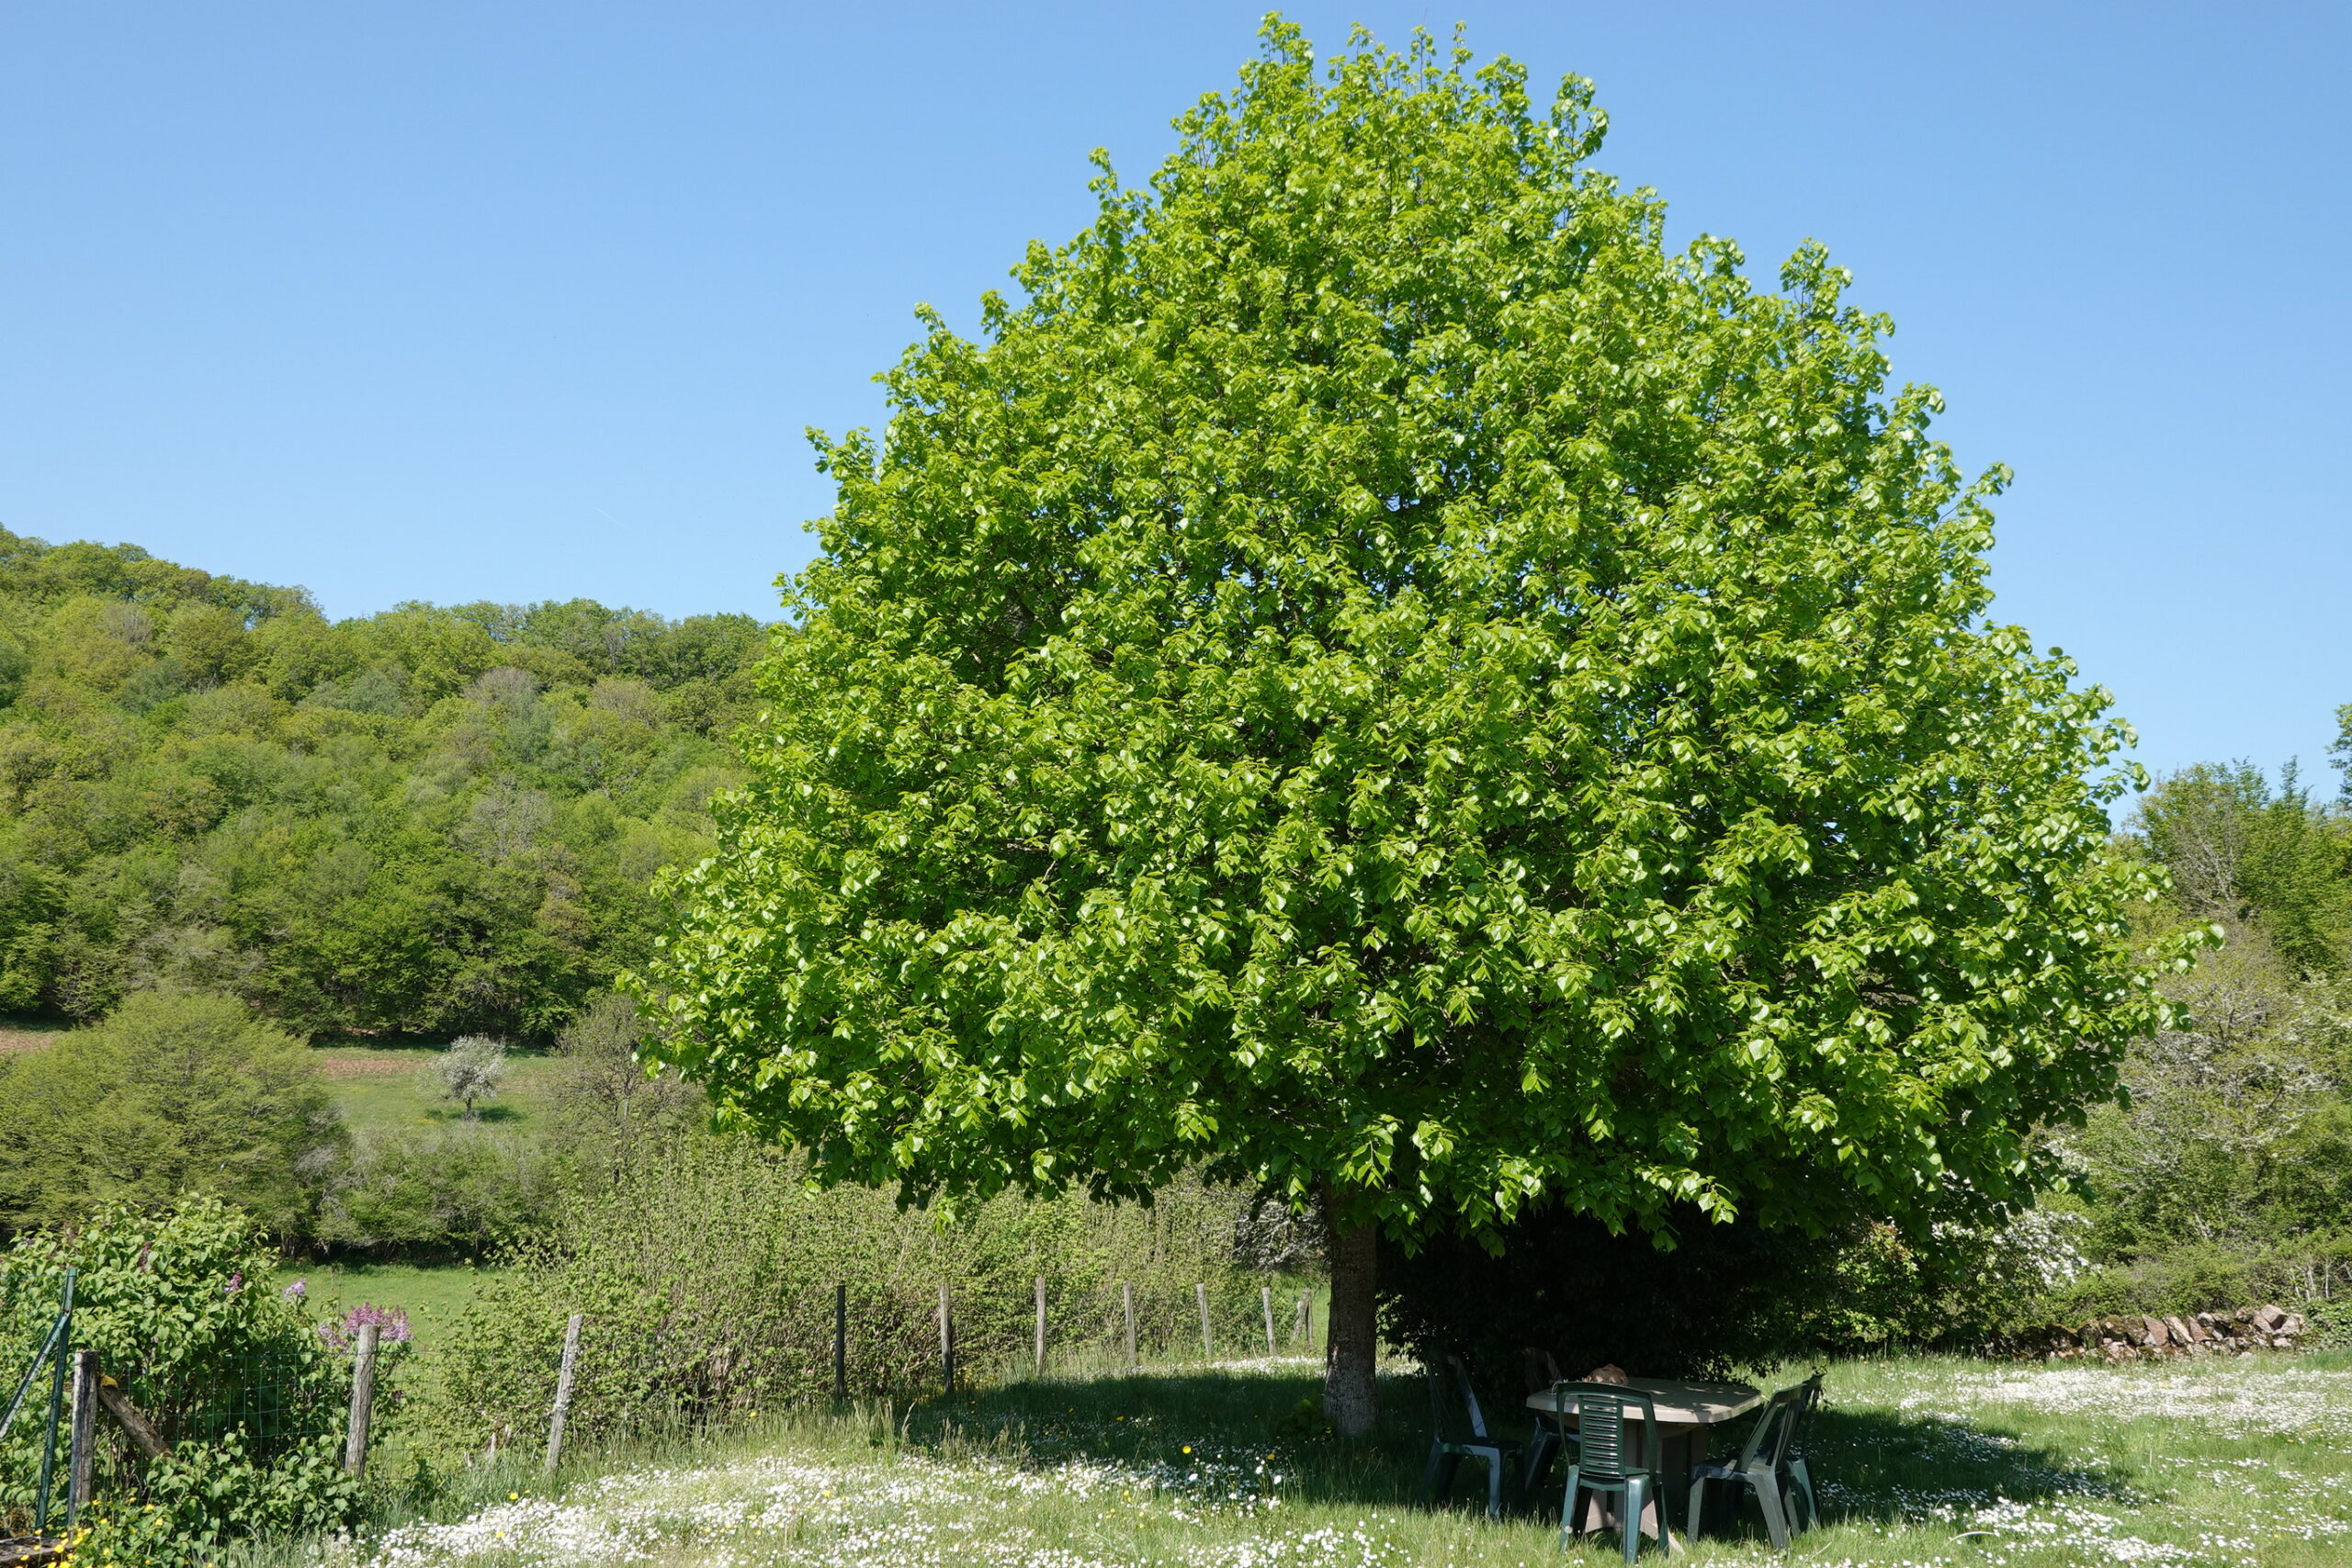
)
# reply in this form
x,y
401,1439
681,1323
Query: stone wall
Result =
x,y
2139,1337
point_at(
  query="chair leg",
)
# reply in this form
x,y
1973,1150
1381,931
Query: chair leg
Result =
x,y
1629,1524
1437,1476
1656,1487
1698,1505
1801,1474
1568,1505
1539,1462
1495,1485
1766,1487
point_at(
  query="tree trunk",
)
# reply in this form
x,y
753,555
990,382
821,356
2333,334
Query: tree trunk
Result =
x,y
1349,1397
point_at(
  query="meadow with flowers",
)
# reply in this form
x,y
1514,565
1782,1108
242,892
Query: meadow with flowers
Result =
x,y
1929,1462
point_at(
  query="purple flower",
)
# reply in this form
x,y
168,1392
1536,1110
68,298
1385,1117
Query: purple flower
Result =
x,y
391,1325
295,1292
236,1282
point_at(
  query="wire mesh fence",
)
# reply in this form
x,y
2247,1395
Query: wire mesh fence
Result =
x,y
634,1371
666,1360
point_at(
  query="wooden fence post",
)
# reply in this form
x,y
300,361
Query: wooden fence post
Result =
x,y
80,1458
1127,1302
946,1344
363,1401
1041,1325
1266,1302
840,1343
1208,1345
563,1376
1305,1321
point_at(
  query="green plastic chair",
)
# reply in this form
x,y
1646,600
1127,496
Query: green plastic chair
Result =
x,y
1604,1462
1798,1468
1552,1432
1759,1467
1450,1444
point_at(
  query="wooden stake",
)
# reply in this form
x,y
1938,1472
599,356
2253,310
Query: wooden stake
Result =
x,y
1041,1325
563,1376
841,1344
1305,1321
1208,1345
81,1456
1266,1300
363,1402
135,1425
1127,1304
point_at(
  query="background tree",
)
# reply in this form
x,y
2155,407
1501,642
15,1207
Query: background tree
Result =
x,y
470,1070
1378,678
2226,1175
607,1104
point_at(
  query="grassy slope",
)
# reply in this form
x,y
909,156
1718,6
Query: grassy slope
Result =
x,y
431,1297
1926,1461
18,1032
381,1088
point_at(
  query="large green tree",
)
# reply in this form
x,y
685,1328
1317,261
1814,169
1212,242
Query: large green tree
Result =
x,y
1376,675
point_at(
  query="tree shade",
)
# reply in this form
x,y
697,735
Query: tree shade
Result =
x,y
1375,676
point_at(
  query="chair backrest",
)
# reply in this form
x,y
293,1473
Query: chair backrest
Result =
x,y
1441,1413
1539,1367
1769,1437
1469,1396
1443,1407
1603,1410
1805,1399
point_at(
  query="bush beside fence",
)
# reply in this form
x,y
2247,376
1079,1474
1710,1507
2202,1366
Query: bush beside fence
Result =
x,y
231,1381
707,1278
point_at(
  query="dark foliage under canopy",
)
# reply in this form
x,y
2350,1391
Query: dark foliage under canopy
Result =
x,y
1730,1294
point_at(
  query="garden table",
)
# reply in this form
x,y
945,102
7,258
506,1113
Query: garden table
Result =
x,y
1687,1412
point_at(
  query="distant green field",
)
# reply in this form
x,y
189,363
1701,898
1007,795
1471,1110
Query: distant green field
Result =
x,y
381,1087
431,1297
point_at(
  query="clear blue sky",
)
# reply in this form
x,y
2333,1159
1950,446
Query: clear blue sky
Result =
x,y
529,300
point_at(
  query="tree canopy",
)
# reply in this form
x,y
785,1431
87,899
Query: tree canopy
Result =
x,y
1374,674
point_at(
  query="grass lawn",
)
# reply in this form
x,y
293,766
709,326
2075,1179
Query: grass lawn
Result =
x,y
384,1088
431,1297
1924,1461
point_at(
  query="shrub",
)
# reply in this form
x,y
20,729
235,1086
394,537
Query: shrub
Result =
x,y
1725,1295
707,1274
436,1190
246,1391
173,1093
1566,1283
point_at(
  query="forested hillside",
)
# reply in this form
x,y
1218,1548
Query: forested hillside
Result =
x,y
428,821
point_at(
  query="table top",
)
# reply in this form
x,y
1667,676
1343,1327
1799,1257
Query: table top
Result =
x,y
1682,1404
